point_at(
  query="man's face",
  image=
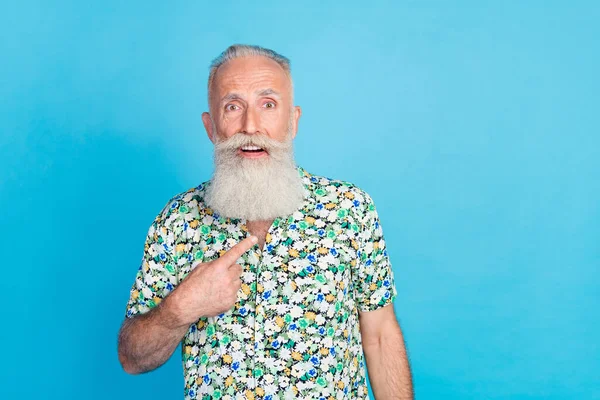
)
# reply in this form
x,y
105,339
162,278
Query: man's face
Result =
x,y
251,95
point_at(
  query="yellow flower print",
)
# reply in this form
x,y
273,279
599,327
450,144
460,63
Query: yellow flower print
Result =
x,y
194,224
260,391
157,300
330,298
324,351
296,356
310,220
188,349
310,315
329,206
340,385
293,252
227,358
245,289
180,247
349,195
268,238
279,321
249,395
322,250
373,286
229,381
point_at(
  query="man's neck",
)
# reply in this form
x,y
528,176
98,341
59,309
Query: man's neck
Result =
x,y
259,229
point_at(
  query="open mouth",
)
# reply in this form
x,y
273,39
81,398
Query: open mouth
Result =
x,y
252,150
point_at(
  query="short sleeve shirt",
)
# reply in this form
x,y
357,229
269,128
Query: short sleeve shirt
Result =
x,y
294,331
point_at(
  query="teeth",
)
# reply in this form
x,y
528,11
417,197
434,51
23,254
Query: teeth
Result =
x,y
250,147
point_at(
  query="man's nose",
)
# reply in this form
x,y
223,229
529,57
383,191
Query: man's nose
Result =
x,y
251,121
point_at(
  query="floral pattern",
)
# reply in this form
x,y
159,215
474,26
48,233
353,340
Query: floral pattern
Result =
x,y
294,331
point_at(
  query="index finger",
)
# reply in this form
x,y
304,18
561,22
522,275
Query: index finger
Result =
x,y
232,255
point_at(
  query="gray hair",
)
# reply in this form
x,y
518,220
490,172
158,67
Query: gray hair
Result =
x,y
246,50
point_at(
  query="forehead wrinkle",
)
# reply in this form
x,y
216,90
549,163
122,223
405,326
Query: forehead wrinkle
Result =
x,y
255,84
246,75
251,79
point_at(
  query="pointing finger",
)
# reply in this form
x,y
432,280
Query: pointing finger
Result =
x,y
232,255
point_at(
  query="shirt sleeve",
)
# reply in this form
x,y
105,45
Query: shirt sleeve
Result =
x,y
156,276
373,275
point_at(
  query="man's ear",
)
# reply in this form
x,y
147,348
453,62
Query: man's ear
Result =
x,y
297,113
208,126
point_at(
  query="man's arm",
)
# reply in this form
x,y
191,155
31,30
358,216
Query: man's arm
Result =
x,y
387,361
146,341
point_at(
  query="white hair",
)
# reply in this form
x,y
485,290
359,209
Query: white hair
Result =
x,y
259,189
246,50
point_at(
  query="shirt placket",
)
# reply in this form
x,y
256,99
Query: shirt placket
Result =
x,y
260,340
258,362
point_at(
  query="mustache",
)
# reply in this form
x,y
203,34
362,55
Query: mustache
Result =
x,y
238,140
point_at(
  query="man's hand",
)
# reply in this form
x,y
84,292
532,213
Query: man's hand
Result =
x,y
211,288
146,341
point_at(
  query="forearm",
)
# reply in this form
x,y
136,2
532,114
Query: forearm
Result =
x,y
147,341
388,368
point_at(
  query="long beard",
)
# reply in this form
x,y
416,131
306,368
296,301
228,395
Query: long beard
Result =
x,y
255,189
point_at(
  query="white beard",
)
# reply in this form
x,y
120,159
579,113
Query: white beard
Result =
x,y
255,189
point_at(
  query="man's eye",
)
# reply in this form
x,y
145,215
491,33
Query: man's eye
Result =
x,y
269,104
231,107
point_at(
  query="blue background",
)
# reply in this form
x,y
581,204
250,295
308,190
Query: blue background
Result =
x,y
474,126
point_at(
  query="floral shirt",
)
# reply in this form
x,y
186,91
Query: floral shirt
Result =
x,y
294,330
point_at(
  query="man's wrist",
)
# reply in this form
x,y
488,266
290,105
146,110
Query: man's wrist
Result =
x,y
170,312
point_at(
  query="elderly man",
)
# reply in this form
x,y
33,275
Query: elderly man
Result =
x,y
276,281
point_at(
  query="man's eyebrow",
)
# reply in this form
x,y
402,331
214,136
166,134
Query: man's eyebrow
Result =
x,y
269,92
262,93
231,96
